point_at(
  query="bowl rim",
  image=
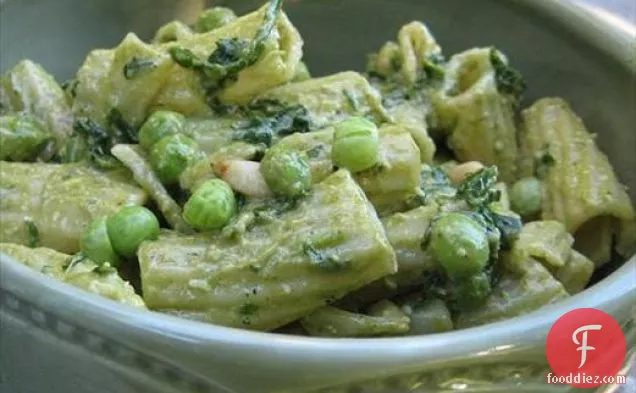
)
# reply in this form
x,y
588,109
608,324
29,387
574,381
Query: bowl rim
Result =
x,y
611,294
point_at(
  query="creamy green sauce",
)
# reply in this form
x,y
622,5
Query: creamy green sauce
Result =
x,y
296,232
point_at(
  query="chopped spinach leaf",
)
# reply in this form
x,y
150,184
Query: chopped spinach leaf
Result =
x,y
231,55
98,141
477,189
74,260
324,261
543,162
434,67
316,151
105,269
434,184
509,80
479,193
123,131
509,226
70,86
269,120
138,66
277,206
247,311
33,234
352,99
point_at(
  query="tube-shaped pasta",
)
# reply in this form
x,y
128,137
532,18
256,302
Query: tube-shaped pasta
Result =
x,y
28,87
522,288
479,118
137,78
402,66
417,45
408,57
545,241
273,271
127,78
412,115
172,31
333,322
579,182
549,243
594,239
276,66
332,98
77,271
21,138
394,180
134,160
405,232
399,172
576,273
429,316
211,134
59,201
504,200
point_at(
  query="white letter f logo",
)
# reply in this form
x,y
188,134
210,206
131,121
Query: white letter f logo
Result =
x,y
584,348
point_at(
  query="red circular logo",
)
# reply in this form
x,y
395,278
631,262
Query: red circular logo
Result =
x,y
585,347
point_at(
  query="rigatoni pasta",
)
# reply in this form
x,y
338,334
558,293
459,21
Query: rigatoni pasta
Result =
x,y
332,97
238,189
580,184
80,272
479,118
266,283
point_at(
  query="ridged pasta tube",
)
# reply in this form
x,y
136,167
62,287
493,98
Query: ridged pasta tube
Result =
x,y
332,98
415,46
429,316
576,273
478,118
333,322
59,200
412,115
276,270
401,66
77,271
28,87
521,289
546,241
405,232
395,179
138,78
549,243
276,66
172,31
133,159
580,185
126,78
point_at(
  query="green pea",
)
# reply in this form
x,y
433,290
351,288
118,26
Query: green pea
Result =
x,y
525,196
21,138
129,227
460,245
172,155
211,206
356,144
159,125
213,18
286,172
95,243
